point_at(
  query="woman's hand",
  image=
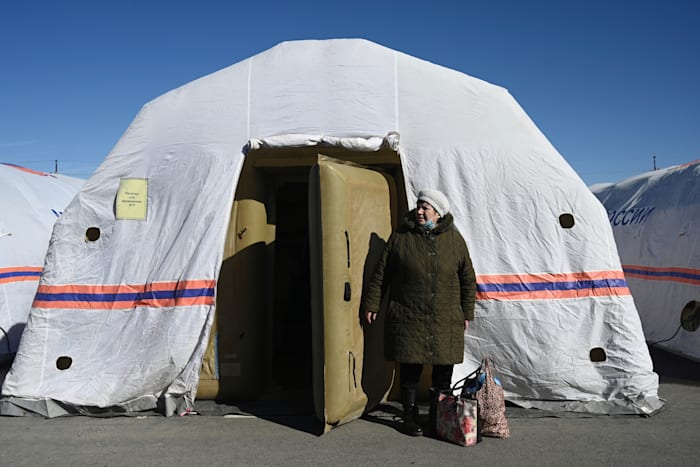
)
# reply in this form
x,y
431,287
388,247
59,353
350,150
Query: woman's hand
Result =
x,y
466,325
371,316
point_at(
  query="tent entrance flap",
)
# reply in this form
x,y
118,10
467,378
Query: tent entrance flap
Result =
x,y
268,338
350,218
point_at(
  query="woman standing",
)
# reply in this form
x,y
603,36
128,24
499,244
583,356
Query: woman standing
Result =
x,y
427,272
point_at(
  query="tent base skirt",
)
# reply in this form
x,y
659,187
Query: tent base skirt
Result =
x,y
647,406
165,405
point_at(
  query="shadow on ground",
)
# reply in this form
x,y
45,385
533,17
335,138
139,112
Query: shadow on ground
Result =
x,y
291,409
297,413
671,367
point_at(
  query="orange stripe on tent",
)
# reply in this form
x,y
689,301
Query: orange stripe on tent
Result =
x,y
125,296
553,295
679,280
21,269
126,288
20,274
547,277
663,274
126,304
24,169
551,286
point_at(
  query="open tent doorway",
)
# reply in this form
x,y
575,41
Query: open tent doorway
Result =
x,y
290,323
272,342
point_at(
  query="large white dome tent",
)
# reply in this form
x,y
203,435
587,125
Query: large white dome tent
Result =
x,y
190,214
653,217
31,201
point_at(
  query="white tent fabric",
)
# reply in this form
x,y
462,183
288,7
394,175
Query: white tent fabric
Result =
x,y
31,202
136,305
653,217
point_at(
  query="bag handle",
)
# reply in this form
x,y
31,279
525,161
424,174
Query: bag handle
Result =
x,y
461,384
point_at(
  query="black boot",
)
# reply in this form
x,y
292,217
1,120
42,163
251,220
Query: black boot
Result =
x,y
431,428
410,413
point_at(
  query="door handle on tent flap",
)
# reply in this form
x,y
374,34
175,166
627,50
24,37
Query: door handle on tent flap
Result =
x,y
347,293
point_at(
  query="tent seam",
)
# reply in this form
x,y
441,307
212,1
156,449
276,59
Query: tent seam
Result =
x,y
247,123
396,92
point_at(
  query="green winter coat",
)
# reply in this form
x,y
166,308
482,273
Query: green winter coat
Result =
x,y
431,285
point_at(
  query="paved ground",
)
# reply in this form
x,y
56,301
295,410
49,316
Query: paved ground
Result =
x,y
669,438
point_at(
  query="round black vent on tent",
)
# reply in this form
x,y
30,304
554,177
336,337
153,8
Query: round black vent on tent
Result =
x,y
597,354
92,234
63,362
690,316
566,220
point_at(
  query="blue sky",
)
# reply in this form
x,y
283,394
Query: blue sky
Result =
x,y
610,83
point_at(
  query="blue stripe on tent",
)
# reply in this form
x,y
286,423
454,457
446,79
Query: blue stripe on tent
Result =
x,y
537,286
4,275
124,297
662,273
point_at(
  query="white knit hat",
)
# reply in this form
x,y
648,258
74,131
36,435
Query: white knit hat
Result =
x,y
436,199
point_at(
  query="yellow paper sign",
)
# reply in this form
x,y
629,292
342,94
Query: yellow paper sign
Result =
x,y
132,199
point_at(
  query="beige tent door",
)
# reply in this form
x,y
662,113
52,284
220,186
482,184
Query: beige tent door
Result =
x,y
350,220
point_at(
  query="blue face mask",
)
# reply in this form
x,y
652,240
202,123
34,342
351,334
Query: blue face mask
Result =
x,y
429,224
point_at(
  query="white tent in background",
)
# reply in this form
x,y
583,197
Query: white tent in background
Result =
x,y
30,203
202,206
654,217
